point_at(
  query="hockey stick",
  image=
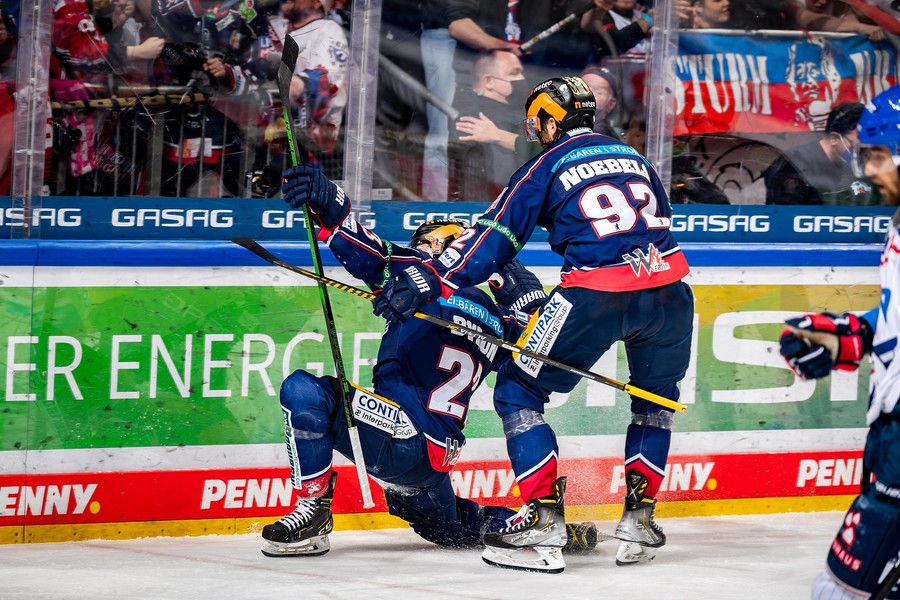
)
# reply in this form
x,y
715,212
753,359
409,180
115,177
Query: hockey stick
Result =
x,y
264,254
285,75
888,583
564,22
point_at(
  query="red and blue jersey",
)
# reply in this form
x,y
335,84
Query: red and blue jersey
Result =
x,y
430,371
604,206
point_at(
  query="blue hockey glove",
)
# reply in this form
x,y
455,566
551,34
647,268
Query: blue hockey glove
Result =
x,y
307,184
517,288
815,344
406,292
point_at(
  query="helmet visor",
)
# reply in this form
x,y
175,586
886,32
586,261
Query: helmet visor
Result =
x,y
532,127
871,161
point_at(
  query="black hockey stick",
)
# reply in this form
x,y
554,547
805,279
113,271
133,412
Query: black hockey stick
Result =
x,y
890,580
267,256
285,75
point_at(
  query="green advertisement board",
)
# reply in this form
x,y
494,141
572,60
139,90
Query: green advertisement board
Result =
x,y
97,357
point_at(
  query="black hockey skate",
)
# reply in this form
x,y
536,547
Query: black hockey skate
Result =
x,y
305,531
639,535
534,539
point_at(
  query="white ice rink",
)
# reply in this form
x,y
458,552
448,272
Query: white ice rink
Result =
x,y
770,557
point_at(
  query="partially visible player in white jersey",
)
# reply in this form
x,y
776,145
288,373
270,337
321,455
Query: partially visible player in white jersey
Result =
x,y
864,557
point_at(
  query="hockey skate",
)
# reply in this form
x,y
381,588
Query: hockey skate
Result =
x,y
305,531
639,535
534,538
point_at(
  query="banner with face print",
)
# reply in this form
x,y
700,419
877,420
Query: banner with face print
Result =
x,y
767,83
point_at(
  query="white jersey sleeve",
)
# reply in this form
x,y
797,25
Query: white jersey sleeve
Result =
x,y
884,386
323,44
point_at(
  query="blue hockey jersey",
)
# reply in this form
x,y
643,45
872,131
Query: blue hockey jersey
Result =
x,y
429,371
605,208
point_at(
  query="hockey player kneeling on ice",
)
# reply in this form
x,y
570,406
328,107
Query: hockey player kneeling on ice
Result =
x,y
864,557
424,378
608,216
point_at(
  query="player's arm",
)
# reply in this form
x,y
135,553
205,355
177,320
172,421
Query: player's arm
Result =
x,y
815,344
362,252
499,234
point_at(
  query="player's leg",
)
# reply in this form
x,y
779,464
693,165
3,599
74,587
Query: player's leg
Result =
x,y
437,515
657,344
309,406
865,549
867,546
568,331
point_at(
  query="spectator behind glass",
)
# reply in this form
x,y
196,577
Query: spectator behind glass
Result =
x,y
122,142
438,48
321,72
819,172
479,25
760,14
83,64
620,29
9,37
605,87
490,145
831,15
711,14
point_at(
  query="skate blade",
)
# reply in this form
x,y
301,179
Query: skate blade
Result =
x,y
316,546
538,559
632,553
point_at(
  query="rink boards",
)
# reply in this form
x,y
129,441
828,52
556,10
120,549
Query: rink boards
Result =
x,y
141,386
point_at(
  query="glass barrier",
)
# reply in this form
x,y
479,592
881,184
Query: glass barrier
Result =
x,y
411,100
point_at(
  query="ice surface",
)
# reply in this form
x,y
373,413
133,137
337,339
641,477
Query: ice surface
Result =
x,y
771,557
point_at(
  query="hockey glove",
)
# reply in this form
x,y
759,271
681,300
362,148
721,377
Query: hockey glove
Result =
x,y
815,344
517,288
402,296
307,184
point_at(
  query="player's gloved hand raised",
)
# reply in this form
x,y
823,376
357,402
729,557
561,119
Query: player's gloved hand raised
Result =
x,y
406,292
815,344
307,184
517,288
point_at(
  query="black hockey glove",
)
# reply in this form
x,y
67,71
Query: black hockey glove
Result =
x,y
307,184
517,288
815,344
405,293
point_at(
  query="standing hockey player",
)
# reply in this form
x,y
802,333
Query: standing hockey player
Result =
x,y
867,546
424,378
608,216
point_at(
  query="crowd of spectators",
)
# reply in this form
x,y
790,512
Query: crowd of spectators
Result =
x,y
179,98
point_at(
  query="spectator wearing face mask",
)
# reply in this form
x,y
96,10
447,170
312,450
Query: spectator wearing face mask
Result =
x,y
819,172
488,134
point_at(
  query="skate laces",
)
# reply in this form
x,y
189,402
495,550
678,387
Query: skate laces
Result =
x,y
301,515
521,520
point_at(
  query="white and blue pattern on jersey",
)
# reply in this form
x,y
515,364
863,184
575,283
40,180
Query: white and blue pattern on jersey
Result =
x,y
474,310
580,153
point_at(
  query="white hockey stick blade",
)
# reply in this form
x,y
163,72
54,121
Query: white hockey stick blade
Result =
x,y
359,459
315,546
538,559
